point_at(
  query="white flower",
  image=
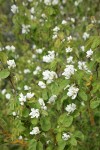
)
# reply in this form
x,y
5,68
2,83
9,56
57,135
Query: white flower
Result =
x,y
29,95
49,76
82,48
34,113
69,38
35,131
11,63
68,49
54,36
42,84
10,48
76,3
14,113
25,29
26,71
85,35
70,59
3,91
26,88
55,2
50,57
42,104
37,70
20,137
70,108
39,51
47,2
82,66
22,99
72,19
72,91
43,15
68,71
14,9
89,53
64,22
33,56
52,99
32,10
65,136
30,0
56,29
8,96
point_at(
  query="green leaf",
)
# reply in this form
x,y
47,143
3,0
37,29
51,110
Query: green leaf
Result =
x,y
34,121
60,141
94,104
93,42
79,134
25,113
73,141
50,147
65,120
3,57
4,73
39,146
83,95
44,94
45,123
61,145
32,144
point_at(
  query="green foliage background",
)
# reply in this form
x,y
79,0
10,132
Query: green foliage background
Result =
x,y
84,123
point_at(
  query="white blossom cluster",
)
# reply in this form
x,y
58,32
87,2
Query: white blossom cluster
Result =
x,y
70,60
10,48
51,2
29,95
68,49
49,76
14,9
50,57
70,108
89,53
34,113
37,70
64,22
85,35
23,98
72,91
82,66
69,71
39,50
82,48
42,104
55,32
26,71
77,2
69,38
42,84
30,0
35,131
65,136
7,95
25,29
26,88
11,64
52,99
